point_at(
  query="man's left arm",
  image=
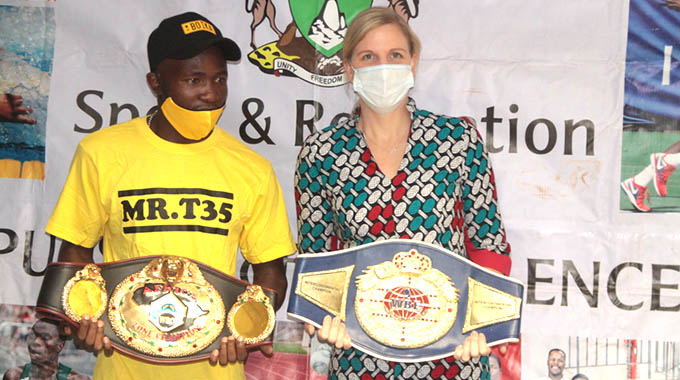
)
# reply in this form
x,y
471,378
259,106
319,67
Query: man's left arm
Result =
x,y
268,219
272,275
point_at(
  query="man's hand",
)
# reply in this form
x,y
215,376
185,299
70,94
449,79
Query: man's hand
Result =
x,y
673,4
90,336
333,332
272,275
12,111
234,350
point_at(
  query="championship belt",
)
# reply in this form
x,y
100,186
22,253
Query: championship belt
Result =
x,y
160,309
405,300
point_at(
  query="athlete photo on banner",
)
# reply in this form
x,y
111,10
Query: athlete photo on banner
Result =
x,y
26,53
650,152
574,357
32,347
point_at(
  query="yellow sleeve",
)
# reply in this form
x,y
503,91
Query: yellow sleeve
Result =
x,y
266,234
79,216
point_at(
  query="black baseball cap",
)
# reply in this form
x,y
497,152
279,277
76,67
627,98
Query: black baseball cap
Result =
x,y
185,36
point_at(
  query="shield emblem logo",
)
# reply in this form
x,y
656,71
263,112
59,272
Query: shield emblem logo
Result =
x,y
323,23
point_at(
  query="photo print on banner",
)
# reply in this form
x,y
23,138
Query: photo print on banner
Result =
x,y
558,357
650,152
26,54
32,346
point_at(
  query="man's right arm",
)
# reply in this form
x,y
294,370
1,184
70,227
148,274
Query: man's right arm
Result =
x,y
75,253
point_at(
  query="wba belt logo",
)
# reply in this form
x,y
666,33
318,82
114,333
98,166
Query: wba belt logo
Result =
x,y
406,303
309,47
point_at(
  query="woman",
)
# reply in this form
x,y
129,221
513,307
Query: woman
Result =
x,y
396,171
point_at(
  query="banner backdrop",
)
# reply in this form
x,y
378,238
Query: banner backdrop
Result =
x,y
544,82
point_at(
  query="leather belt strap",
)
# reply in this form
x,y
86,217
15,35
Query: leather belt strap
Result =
x,y
159,309
405,300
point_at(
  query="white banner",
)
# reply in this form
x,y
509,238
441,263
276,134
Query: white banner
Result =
x,y
544,82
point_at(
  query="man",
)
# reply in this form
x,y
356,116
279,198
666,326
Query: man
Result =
x,y
172,183
556,360
495,369
44,346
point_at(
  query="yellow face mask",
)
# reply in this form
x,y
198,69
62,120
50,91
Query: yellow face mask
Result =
x,y
193,125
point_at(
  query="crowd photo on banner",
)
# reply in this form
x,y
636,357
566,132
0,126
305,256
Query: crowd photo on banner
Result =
x,y
340,189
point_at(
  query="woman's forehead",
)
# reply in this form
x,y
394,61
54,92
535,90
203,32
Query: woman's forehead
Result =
x,y
388,36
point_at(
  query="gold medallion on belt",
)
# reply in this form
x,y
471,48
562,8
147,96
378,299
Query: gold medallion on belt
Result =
x,y
85,294
405,303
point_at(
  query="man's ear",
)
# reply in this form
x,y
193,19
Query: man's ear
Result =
x,y
154,84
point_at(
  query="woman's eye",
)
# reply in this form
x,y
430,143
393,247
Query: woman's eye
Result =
x,y
367,57
397,54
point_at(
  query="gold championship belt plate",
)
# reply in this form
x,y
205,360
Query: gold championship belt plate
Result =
x,y
405,300
404,303
164,309
167,309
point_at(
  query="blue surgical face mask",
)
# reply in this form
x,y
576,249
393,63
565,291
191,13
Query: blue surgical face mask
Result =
x,y
383,87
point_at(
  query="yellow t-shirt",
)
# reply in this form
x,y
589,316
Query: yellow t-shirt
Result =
x,y
148,196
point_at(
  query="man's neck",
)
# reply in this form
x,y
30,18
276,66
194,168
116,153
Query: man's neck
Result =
x,y
163,129
44,370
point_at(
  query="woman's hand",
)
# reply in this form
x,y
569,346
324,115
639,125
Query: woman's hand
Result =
x,y
333,332
475,346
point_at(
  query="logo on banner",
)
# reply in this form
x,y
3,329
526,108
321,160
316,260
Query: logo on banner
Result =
x,y
310,47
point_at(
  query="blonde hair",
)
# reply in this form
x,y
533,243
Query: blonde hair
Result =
x,y
371,18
